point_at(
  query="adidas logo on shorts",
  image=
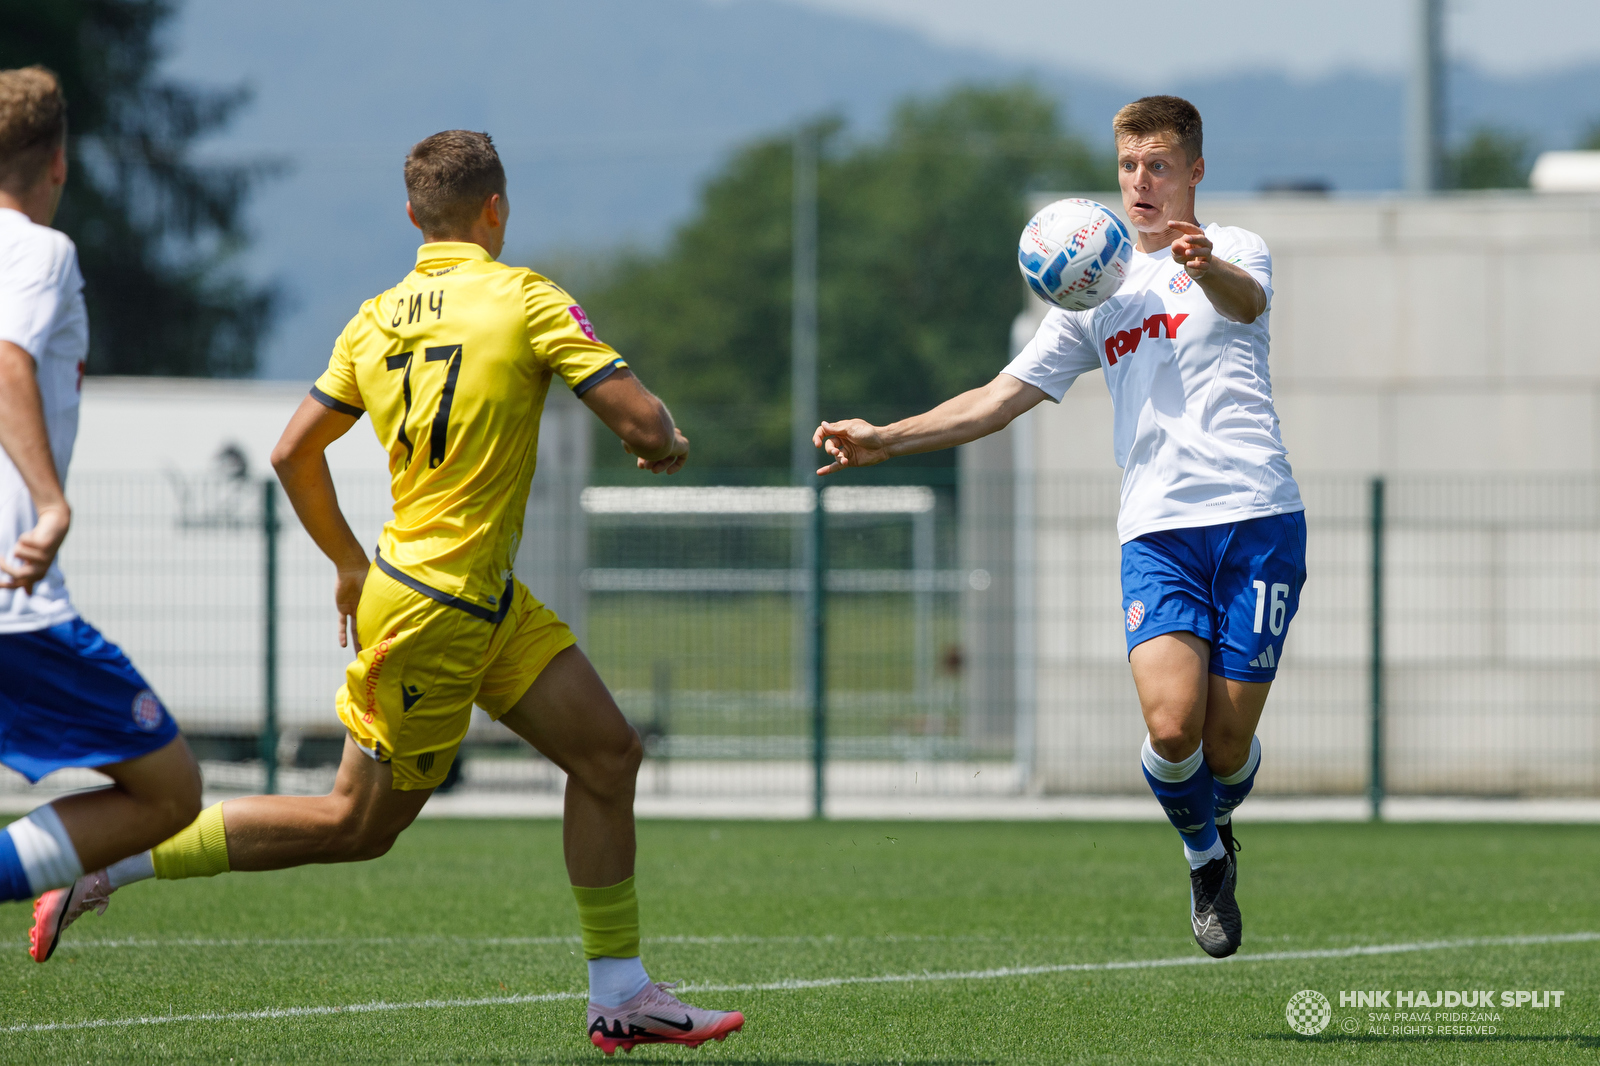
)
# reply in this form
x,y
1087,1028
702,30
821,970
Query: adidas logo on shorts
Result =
x,y
1266,660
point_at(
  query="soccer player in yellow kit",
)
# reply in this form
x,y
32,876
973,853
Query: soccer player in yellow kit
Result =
x,y
453,365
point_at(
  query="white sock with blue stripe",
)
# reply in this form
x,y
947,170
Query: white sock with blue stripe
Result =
x,y
43,850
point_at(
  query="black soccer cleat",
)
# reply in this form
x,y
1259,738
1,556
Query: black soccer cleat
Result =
x,y
1225,831
1213,912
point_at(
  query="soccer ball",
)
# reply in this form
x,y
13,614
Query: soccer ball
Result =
x,y
1074,254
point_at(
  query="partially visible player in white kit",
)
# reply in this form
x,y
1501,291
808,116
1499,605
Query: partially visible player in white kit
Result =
x,y
68,697
1211,523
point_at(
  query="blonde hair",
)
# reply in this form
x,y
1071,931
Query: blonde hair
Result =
x,y
33,124
1161,114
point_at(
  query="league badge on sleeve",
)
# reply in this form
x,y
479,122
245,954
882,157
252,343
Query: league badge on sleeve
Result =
x,y
583,322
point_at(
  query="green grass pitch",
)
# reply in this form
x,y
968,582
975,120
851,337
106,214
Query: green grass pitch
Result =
x,y
479,913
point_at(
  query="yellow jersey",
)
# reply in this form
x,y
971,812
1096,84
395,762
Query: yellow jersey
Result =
x,y
453,364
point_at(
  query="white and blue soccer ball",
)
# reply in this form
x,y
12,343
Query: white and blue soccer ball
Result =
x,y
1074,254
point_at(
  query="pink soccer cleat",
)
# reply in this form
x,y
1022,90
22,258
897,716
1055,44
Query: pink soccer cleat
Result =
x,y
656,1016
60,907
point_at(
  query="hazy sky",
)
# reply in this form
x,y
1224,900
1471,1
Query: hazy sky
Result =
x,y
1296,36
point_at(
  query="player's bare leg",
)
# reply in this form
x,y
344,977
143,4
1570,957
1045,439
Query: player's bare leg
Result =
x,y
357,821
1233,710
150,798
1184,703
1172,675
570,717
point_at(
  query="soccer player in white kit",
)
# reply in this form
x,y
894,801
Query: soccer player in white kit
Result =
x,y
1211,522
68,697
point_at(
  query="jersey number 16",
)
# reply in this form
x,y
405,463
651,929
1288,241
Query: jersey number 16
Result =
x,y
1280,606
439,433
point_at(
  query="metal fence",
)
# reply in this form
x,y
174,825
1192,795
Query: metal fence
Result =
x,y
1449,634
1448,641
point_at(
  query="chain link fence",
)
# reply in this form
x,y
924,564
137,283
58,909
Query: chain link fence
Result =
x,y
973,635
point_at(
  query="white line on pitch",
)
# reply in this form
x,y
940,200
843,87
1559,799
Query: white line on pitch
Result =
x,y
800,984
1152,964
516,941
293,1012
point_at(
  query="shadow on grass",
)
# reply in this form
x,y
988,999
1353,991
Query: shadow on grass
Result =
x,y
1583,1040
897,1061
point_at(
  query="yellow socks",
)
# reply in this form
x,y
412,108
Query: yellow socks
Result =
x,y
201,850
609,918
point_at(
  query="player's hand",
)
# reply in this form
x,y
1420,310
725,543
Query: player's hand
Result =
x,y
36,549
1193,249
852,442
347,597
670,463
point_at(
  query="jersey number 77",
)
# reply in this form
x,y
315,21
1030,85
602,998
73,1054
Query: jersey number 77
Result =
x,y
439,432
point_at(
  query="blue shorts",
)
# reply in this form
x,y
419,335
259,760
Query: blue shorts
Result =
x,y
69,697
1235,585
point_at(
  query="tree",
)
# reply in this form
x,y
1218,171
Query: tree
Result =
x,y
918,282
156,231
1490,159
1590,141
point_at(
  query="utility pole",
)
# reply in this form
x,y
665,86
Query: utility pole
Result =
x,y
269,636
1375,688
803,335
810,544
1425,99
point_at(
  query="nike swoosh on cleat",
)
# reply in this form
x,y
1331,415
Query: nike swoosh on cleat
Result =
x,y
683,1026
66,903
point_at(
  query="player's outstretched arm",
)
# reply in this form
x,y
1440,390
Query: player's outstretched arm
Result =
x,y
26,440
976,413
303,470
1236,295
643,422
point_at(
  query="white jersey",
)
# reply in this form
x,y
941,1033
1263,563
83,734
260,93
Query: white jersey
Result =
x,y
1195,431
41,312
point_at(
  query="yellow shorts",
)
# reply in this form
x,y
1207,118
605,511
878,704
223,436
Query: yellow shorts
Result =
x,y
408,696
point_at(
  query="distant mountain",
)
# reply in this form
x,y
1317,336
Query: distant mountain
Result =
x,y
610,112
607,112
1346,129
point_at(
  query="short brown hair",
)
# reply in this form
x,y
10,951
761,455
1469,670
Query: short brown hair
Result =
x,y
33,124
449,176
1161,114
